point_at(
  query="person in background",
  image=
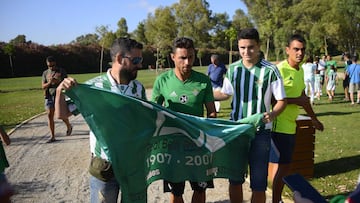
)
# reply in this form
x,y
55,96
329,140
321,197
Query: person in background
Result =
x,y
330,62
6,190
253,81
216,72
322,68
51,78
354,85
309,78
331,80
317,83
126,55
346,80
284,126
187,91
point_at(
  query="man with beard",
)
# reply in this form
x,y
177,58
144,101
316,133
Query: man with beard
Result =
x,y
126,55
187,91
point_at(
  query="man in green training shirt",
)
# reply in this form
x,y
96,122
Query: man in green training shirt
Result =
x,y
284,126
187,91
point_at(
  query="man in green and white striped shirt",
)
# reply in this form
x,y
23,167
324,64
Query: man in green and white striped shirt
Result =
x,y
253,82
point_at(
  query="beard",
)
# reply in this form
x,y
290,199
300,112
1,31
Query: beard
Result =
x,y
128,74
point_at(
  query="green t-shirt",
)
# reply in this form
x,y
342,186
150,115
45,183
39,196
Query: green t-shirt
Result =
x,y
294,86
329,63
187,96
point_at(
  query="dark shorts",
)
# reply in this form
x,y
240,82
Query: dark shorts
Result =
x,y
322,79
49,102
282,148
177,189
346,82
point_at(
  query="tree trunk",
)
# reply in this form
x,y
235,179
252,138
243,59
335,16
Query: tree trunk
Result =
x,y
11,65
325,46
230,53
101,58
267,48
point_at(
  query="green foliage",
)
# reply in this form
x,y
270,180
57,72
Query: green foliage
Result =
x,y
160,33
193,18
139,33
20,39
87,39
122,30
9,49
240,20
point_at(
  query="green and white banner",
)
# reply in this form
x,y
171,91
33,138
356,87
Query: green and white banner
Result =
x,y
148,142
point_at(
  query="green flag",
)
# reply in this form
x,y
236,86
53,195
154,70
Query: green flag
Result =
x,y
148,142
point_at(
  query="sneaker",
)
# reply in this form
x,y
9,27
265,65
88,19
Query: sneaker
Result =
x,y
69,131
51,140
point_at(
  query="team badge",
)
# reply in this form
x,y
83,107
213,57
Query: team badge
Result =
x,y
259,83
202,184
183,99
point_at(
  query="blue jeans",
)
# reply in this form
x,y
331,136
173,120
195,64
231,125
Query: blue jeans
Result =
x,y
104,192
259,160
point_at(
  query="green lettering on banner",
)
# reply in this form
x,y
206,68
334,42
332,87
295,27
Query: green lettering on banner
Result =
x,y
147,142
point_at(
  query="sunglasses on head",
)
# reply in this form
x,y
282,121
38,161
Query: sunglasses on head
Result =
x,y
135,60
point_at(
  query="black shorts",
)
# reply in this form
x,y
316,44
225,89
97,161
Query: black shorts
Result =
x,y
282,148
177,189
346,81
322,79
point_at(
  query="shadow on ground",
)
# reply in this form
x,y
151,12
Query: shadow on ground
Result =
x,y
336,166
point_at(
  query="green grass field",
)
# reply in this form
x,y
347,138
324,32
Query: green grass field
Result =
x,y
337,153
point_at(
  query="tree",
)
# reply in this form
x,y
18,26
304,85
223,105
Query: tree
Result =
x,y
220,22
231,35
241,20
193,20
9,49
139,33
349,30
268,16
122,30
104,42
87,39
161,31
20,39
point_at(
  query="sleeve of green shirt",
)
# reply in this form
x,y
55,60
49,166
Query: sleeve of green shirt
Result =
x,y
209,96
156,95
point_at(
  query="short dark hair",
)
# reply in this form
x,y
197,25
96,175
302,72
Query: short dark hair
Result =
x,y
215,57
249,33
183,42
296,37
50,59
123,45
354,58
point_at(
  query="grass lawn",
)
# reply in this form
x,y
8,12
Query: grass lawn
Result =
x,y
337,148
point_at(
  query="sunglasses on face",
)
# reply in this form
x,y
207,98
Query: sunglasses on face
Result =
x,y
135,60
